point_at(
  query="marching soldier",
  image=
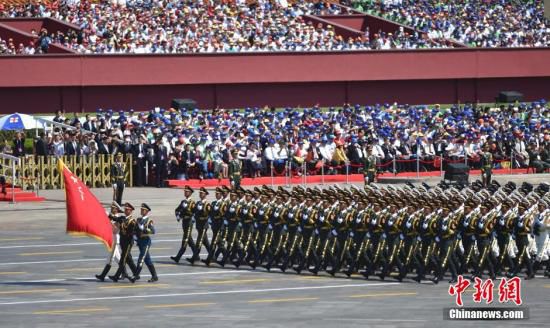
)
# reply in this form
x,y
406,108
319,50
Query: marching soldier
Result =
x,y
484,241
116,216
127,231
323,229
217,212
523,227
117,178
307,228
276,229
446,238
248,210
486,166
231,223
235,167
185,213
145,228
201,214
293,240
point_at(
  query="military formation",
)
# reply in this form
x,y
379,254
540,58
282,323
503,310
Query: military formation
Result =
x,y
420,232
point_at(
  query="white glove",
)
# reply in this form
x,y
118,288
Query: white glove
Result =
x,y
334,232
135,237
270,227
140,226
401,236
299,229
209,221
178,218
240,225
285,228
225,222
193,220
351,234
114,185
255,225
316,231
437,239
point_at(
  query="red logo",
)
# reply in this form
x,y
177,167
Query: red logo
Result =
x,y
484,290
510,290
457,290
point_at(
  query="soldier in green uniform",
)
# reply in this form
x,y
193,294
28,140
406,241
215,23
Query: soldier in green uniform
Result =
x,y
369,166
185,213
201,214
235,167
144,229
486,166
118,178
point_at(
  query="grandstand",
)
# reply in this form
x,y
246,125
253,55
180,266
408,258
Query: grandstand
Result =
x,y
255,53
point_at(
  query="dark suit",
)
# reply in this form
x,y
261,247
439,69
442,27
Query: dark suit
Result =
x,y
103,149
139,152
187,157
160,159
90,126
18,147
72,149
41,148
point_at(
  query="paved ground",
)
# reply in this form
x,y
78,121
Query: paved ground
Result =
x,y
46,281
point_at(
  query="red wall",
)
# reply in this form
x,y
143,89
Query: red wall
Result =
x,y
85,83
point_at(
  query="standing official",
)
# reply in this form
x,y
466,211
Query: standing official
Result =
x,y
369,166
235,167
486,166
117,178
145,228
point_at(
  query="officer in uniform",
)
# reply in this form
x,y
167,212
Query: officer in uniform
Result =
x,y
235,167
127,232
486,166
369,166
145,228
185,213
118,178
202,212
307,229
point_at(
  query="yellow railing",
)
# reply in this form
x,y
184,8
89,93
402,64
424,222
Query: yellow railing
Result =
x,y
94,171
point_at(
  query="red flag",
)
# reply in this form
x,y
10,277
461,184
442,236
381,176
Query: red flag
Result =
x,y
85,215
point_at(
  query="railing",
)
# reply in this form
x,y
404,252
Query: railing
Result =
x,y
12,162
394,166
41,171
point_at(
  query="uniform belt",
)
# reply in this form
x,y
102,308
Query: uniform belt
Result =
x,y
119,177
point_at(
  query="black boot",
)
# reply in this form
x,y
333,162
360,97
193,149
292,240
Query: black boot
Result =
x,y
178,257
101,277
154,276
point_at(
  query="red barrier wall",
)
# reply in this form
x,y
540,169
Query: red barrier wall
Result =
x,y
75,83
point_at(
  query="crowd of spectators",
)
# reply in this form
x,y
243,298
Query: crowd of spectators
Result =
x,y
487,23
178,26
183,144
